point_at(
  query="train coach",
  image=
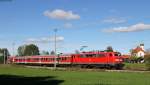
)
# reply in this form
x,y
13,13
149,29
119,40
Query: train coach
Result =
x,y
84,59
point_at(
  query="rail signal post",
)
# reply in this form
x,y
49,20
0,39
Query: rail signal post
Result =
x,y
55,62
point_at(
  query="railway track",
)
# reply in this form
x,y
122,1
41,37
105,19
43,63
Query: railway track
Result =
x,y
85,69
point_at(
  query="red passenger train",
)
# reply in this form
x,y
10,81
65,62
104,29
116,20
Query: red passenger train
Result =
x,y
84,59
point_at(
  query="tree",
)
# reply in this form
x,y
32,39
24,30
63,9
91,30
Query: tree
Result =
x,y
3,53
109,49
44,53
77,52
28,50
52,53
21,50
147,51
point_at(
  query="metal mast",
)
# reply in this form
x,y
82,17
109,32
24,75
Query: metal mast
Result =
x,y
55,62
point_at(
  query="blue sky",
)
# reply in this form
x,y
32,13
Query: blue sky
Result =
x,y
122,24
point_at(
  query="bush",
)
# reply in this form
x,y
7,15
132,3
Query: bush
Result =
x,y
1,59
147,61
135,59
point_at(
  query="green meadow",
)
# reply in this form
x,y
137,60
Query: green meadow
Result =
x,y
19,75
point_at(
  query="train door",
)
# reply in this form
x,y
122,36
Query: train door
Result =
x,y
109,58
72,59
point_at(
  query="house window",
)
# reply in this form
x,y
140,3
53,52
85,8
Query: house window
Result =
x,y
141,54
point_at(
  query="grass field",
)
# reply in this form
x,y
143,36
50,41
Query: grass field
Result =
x,y
18,75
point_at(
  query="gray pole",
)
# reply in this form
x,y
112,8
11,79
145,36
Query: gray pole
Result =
x,y
55,30
13,44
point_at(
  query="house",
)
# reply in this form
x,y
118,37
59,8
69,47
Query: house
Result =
x,y
138,51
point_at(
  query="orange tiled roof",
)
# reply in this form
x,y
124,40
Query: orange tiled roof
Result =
x,y
137,49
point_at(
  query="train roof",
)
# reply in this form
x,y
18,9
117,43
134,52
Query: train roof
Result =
x,y
36,56
96,52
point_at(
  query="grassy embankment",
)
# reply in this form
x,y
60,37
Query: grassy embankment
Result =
x,y
135,66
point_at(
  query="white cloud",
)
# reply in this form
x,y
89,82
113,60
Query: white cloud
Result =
x,y
132,28
114,20
32,40
58,38
45,39
61,14
68,25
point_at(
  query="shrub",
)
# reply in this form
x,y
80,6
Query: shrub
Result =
x,y
147,61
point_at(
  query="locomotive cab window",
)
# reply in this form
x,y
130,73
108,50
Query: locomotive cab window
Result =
x,y
89,55
117,54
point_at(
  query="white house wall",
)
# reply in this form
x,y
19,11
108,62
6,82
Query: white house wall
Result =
x,y
140,54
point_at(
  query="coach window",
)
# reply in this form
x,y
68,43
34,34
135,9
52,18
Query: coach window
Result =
x,y
34,59
28,59
61,58
91,55
65,58
97,55
57,59
87,55
51,59
100,55
73,56
110,55
47,59
94,55
82,56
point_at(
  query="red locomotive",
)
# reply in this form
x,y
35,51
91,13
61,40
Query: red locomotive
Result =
x,y
84,59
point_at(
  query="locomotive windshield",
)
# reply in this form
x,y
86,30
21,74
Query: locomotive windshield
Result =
x,y
87,55
117,54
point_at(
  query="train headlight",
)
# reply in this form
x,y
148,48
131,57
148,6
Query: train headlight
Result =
x,y
118,59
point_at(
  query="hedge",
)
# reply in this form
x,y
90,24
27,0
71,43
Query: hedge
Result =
x,y
147,61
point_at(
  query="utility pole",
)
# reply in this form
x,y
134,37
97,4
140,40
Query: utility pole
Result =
x,y
55,62
13,47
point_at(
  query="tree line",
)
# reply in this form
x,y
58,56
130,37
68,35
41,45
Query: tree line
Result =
x,y
3,54
31,49
23,50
